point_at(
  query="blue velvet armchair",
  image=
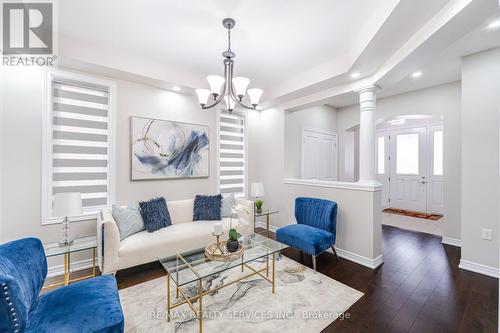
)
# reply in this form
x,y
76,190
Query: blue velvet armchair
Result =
x,y
315,230
87,306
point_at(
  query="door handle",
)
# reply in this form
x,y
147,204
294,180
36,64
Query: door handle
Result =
x,y
422,182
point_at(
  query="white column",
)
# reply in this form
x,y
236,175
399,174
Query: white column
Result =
x,y
367,105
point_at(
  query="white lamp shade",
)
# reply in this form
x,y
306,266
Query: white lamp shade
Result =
x,y
202,95
255,95
257,190
67,204
215,82
240,85
230,105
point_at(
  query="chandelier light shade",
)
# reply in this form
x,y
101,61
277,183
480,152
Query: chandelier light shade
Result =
x,y
228,89
240,86
203,95
255,95
215,82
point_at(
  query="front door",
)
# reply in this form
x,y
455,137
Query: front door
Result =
x,y
408,176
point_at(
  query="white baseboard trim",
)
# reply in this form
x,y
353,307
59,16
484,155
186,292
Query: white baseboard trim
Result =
x,y
479,268
75,266
262,225
452,241
358,259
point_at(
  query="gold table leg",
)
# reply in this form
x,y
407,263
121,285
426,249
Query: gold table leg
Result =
x,y
94,256
274,268
200,304
267,225
168,297
267,265
67,269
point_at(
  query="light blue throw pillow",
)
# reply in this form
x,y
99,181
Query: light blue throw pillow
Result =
x,y
227,204
128,219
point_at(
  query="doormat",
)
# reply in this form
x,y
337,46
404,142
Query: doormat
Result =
x,y
432,217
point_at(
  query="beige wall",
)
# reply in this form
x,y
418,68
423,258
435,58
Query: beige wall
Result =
x,y
322,117
480,154
440,101
358,229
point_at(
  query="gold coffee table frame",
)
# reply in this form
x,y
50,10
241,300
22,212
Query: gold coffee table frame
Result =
x,y
267,273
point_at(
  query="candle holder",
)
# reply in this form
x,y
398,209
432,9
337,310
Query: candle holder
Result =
x,y
217,237
218,250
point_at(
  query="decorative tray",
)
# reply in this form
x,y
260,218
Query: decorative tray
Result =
x,y
218,252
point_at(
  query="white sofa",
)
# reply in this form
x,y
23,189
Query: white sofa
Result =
x,y
144,247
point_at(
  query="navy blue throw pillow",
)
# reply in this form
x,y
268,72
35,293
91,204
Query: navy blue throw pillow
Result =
x,y
207,207
155,214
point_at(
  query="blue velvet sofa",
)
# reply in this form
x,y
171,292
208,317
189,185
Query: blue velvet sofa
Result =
x,y
315,230
88,306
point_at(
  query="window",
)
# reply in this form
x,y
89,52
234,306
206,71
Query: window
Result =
x,y
232,161
407,153
381,155
78,144
437,149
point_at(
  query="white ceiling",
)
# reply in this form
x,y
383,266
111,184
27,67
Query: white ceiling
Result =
x,y
290,48
272,39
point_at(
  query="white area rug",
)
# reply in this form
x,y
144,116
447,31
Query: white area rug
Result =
x,y
305,301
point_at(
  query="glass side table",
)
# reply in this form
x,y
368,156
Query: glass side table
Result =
x,y
267,213
79,244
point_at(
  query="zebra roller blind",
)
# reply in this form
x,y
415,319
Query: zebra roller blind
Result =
x,y
232,177
80,142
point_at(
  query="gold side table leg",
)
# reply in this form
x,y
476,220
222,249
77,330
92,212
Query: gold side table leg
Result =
x,y
267,225
94,256
66,268
177,279
242,263
200,304
168,297
274,269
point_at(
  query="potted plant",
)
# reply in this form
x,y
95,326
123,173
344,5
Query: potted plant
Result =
x,y
258,206
232,243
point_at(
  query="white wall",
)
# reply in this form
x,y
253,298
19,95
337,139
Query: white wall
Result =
x,y
440,101
321,117
358,231
480,154
20,141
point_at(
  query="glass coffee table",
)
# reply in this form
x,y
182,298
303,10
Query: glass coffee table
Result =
x,y
193,267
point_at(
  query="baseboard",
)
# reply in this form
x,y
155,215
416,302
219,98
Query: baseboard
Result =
x,y
479,268
263,226
452,241
75,266
364,261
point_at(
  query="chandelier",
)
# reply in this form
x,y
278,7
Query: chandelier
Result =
x,y
231,90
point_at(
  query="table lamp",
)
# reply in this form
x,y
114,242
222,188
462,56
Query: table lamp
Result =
x,y
67,204
257,191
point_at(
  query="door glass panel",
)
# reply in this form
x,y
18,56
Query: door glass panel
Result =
x,y
407,154
381,155
437,153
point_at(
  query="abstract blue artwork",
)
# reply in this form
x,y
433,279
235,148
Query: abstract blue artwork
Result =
x,y
168,149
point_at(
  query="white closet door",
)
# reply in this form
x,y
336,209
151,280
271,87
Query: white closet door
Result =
x,y
319,155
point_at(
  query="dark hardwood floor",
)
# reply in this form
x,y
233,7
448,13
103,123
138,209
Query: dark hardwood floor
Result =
x,y
419,288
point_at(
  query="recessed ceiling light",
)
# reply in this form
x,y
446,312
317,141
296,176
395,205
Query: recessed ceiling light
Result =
x,y
355,75
494,24
416,74
176,88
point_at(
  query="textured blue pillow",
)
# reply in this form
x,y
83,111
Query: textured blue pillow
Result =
x,y
155,214
207,207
